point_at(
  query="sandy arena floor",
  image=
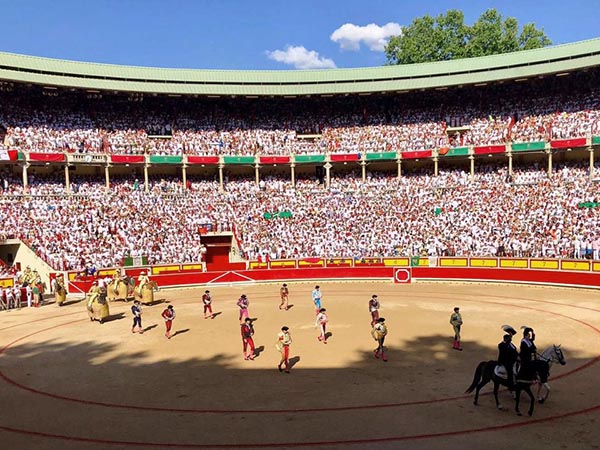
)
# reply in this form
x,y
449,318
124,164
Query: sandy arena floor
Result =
x,y
69,384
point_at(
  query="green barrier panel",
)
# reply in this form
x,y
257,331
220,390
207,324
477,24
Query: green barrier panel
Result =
x,y
381,156
165,159
238,159
528,146
309,158
458,151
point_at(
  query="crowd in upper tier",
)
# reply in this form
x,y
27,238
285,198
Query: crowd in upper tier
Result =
x,y
536,110
529,214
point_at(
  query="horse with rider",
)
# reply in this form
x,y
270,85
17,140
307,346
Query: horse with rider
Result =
x,y
520,375
123,287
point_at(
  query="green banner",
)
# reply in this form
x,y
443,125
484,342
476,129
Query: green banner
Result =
x,y
528,146
414,261
457,151
381,156
595,140
238,159
309,158
588,205
129,261
160,159
276,215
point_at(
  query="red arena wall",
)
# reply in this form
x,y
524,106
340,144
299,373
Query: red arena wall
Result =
x,y
578,273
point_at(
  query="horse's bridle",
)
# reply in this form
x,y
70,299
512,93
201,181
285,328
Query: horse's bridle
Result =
x,y
557,356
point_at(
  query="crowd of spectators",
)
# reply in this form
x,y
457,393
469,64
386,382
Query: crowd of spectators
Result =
x,y
528,214
541,109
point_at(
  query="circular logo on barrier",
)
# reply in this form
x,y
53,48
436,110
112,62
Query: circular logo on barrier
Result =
x,y
402,276
88,158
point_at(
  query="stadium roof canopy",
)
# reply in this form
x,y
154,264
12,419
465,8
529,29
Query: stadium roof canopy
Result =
x,y
49,72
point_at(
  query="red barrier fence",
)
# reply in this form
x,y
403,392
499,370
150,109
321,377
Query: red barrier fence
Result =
x,y
399,275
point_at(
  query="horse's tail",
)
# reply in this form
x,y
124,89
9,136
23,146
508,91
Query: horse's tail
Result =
x,y
476,377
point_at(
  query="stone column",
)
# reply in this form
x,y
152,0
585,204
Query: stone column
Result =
x,y
363,165
591,150
257,174
107,176
549,163
67,180
327,174
435,165
25,180
184,176
221,165
399,168
510,169
293,174
472,161
146,187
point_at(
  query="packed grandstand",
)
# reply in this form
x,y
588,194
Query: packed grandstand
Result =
x,y
531,207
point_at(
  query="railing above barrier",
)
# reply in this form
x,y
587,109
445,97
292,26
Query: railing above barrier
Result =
x,y
581,265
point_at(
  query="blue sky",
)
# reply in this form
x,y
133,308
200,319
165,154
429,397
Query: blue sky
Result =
x,y
251,34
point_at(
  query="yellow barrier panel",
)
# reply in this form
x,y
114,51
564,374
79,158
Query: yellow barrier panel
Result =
x,y
575,265
192,267
7,283
424,262
396,262
157,270
283,264
518,263
483,262
302,263
367,261
546,264
106,272
258,265
596,266
344,262
454,262
72,276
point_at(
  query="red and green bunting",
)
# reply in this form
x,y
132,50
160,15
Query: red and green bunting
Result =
x,y
489,149
127,159
567,143
274,159
416,154
341,157
203,160
47,157
8,155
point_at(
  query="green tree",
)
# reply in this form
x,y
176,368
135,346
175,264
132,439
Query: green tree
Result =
x,y
446,37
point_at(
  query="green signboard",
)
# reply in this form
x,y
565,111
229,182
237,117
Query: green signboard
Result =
x,y
160,159
238,159
381,156
528,146
309,158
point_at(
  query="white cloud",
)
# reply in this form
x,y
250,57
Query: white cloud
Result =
x,y
350,36
301,58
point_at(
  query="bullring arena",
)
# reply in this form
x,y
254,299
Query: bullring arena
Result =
x,y
69,383
470,184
